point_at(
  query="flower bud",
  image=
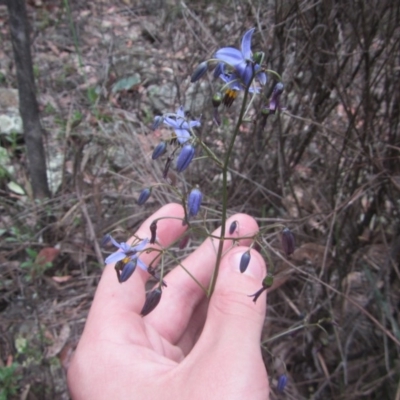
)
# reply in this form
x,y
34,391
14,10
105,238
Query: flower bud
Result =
x,y
258,57
106,239
153,230
268,281
276,93
158,120
199,72
217,99
233,227
288,242
159,150
184,241
152,300
194,202
125,268
278,89
282,382
185,157
244,261
144,196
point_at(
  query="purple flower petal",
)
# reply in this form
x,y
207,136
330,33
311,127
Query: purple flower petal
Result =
x,y
219,69
194,124
141,264
115,257
180,112
229,55
246,44
182,135
141,245
262,78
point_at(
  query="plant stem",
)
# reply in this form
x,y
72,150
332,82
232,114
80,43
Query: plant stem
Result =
x,y
225,193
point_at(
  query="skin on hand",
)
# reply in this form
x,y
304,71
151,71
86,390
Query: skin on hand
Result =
x,y
189,347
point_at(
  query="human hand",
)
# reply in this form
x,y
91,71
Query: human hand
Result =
x,y
189,347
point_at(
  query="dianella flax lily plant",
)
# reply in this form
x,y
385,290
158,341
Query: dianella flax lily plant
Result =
x,y
236,72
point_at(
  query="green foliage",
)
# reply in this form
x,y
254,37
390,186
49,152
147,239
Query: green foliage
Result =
x,y
9,378
33,266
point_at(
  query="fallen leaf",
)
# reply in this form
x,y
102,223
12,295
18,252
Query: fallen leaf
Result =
x,y
46,255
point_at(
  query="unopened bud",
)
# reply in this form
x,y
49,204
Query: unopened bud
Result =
x,y
144,196
288,242
106,239
194,202
268,281
153,230
152,300
258,57
199,72
233,227
282,382
159,150
217,99
244,261
185,157
158,120
184,241
125,268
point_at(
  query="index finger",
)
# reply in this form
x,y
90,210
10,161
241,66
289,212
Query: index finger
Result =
x,y
114,303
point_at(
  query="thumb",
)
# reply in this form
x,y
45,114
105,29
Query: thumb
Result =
x,y
232,314
232,331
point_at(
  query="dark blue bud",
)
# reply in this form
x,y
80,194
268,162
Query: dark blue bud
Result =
x,y
158,120
288,242
151,302
144,196
244,261
233,227
199,72
274,103
194,202
282,382
127,270
106,239
185,157
153,230
159,150
278,89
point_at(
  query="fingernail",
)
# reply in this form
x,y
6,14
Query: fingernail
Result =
x,y
255,268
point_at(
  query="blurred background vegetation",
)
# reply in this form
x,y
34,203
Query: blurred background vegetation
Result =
x,y
327,167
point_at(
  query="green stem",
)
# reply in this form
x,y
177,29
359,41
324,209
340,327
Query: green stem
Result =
x,y
225,192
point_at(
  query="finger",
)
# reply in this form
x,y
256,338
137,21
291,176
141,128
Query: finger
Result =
x,y
113,300
234,322
183,294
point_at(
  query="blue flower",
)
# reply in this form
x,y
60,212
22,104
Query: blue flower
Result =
x,y
242,62
181,126
125,250
185,157
194,202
